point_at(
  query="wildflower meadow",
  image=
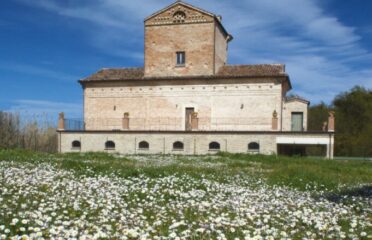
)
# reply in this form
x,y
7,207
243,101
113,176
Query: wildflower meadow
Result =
x,y
100,196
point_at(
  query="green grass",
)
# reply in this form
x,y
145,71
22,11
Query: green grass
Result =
x,y
145,176
300,173
306,172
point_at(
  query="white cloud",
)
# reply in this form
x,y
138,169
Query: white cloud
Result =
x,y
322,54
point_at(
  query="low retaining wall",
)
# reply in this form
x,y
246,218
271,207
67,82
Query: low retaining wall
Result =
x,y
194,143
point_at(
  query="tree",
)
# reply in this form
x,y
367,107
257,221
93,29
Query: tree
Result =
x,y
353,122
318,114
28,134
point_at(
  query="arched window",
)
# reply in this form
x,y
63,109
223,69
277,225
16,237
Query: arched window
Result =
x,y
178,145
214,146
144,145
76,144
253,147
110,145
179,17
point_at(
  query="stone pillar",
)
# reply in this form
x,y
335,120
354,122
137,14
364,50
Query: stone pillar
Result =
x,y
330,147
126,121
61,121
194,121
274,123
331,121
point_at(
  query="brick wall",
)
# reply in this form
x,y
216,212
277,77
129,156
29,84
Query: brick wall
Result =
x,y
221,104
198,35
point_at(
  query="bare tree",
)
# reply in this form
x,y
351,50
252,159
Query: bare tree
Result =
x,y
33,134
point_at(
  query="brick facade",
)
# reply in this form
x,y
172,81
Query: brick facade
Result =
x,y
199,34
221,105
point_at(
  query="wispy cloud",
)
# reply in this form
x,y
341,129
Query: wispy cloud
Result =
x,y
47,109
108,13
323,55
115,25
37,71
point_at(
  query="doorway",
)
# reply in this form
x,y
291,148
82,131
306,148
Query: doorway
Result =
x,y
188,116
297,122
302,150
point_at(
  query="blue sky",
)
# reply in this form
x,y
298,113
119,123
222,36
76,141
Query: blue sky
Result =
x,y
47,45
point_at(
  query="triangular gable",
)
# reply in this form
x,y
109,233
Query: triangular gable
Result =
x,y
297,99
169,15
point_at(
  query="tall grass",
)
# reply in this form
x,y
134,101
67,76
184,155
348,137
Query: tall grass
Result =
x,y
32,133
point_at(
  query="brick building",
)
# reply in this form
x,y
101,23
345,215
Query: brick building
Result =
x,y
188,100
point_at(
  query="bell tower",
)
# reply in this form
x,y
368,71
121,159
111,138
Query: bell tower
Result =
x,y
182,40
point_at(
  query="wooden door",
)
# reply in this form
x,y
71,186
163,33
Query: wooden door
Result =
x,y
188,116
297,121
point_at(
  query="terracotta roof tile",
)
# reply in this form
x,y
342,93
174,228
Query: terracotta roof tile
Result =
x,y
117,74
252,70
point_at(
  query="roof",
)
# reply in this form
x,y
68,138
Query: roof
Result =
x,y
116,74
252,70
297,98
182,3
227,71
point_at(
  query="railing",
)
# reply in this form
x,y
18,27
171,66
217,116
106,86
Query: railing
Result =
x,y
179,124
168,124
74,125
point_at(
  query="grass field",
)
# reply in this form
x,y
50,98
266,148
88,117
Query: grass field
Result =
x,y
100,196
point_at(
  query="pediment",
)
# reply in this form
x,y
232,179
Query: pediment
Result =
x,y
179,13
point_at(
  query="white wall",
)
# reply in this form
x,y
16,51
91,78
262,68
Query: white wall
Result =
x,y
294,106
194,143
